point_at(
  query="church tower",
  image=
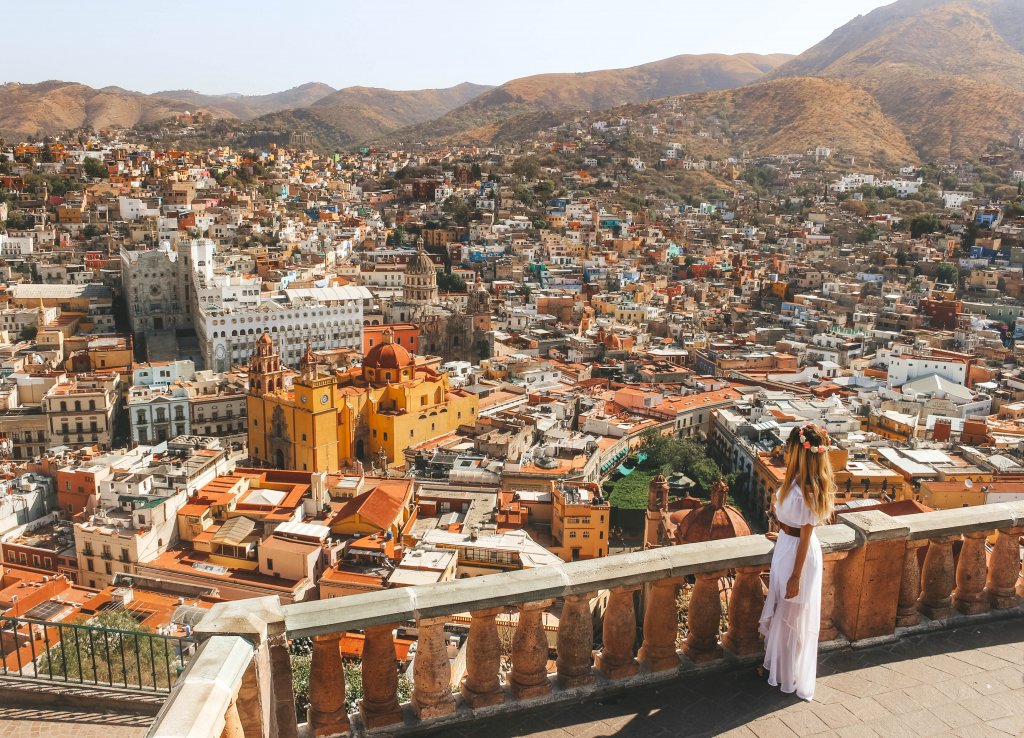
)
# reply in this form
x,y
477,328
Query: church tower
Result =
x,y
657,508
265,374
420,285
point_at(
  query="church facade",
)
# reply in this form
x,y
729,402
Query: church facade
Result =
x,y
454,327
371,413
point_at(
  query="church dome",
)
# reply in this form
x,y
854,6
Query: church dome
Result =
x,y
711,521
420,263
387,355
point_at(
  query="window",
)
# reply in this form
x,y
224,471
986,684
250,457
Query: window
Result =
x,y
572,534
270,564
586,534
89,565
385,435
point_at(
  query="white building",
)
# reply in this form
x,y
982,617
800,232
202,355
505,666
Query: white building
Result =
x,y
326,317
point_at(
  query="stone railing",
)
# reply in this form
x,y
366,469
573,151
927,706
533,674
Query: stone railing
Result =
x,y
883,577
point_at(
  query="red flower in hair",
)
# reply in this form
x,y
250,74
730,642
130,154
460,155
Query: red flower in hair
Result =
x,y
807,444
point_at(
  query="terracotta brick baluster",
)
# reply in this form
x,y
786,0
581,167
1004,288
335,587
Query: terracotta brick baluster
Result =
x,y
910,585
327,714
432,672
745,604
704,619
971,570
379,706
938,578
1004,569
529,676
661,627
575,644
619,635
481,686
232,723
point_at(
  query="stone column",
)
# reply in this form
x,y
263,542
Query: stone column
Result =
x,y
327,714
619,635
529,676
379,705
575,642
704,619
265,699
481,686
745,604
867,581
232,723
432,672
971,570
910,585
827,631
937,578
1004,569
661,627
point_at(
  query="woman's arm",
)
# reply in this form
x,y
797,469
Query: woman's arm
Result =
x,y
793,586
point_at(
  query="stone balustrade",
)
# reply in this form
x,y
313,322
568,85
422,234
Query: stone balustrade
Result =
x,y
883,577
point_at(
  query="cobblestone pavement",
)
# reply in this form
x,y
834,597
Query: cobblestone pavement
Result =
x,y
29,722
964,682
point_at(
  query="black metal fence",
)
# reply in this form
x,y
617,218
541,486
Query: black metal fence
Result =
x,y
86,654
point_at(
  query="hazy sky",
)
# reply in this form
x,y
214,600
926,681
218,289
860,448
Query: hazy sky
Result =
x,y
255,46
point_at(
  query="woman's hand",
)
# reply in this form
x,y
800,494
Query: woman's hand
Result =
x,y
772,536
792,587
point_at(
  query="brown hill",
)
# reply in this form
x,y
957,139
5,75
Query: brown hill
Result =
x,y
49,107
356,114
528,98
246,107
787,116
950,72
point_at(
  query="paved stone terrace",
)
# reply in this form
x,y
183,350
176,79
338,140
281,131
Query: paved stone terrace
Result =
x,y
964,682
26,722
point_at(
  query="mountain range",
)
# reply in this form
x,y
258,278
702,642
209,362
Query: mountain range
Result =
x,y
917,79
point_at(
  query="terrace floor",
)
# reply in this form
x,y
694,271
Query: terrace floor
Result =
x,y
967,681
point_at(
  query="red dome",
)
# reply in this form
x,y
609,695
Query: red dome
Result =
x,y
387,355
711,521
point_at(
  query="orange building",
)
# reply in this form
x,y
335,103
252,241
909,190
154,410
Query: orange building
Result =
x,y
406,335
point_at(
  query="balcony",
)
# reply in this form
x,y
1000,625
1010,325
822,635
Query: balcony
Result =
x,y
889,586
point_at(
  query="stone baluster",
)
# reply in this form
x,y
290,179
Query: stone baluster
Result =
x,y
661,626
619,635
971,570
1004,569
745,604
575,643
327,714
379,705
232,723
432,672
910,585
704,619
938,578
529,676
481,686
827,630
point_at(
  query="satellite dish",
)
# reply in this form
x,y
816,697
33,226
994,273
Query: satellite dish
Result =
x,y
969,484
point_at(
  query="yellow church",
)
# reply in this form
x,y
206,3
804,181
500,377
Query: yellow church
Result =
x,y
328,421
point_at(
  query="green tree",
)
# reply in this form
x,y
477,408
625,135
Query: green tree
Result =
x,y
91,231
81,653
867,234
946,273
475,172
527,167
450,282
923,224
95,168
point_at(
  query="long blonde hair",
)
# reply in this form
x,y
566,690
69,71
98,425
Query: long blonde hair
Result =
x,y
811,469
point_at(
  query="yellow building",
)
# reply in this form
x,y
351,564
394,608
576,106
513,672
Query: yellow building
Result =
x,y
579,522
329,421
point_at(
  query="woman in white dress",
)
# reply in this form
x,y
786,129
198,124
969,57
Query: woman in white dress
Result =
x,y
792,610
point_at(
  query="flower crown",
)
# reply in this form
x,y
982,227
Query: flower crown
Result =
x,y
826,442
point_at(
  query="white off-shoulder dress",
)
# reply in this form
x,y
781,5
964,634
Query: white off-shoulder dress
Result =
x,y
790,627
